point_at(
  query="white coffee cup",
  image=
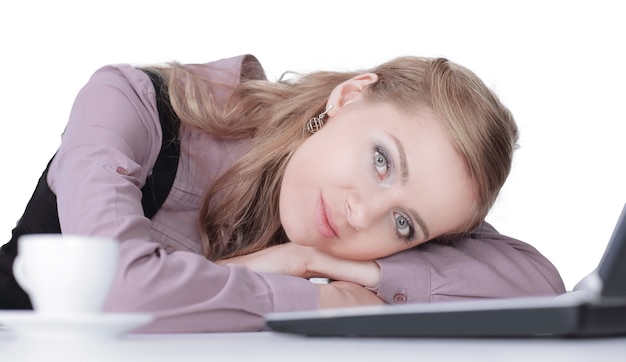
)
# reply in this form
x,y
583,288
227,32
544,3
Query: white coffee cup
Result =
x,y
66,274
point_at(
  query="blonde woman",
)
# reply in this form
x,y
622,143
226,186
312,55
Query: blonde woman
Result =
x,y
227,191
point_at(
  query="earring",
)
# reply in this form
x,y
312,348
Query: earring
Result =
x,y
315,123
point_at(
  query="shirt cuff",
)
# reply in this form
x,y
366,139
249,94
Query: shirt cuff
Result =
x,y
396,270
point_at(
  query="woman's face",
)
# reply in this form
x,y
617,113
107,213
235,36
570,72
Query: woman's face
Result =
x,y
374,181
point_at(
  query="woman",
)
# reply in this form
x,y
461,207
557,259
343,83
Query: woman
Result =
x,y
359,166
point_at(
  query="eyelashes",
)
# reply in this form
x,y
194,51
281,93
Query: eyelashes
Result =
x,y
382,162
383,165
404,227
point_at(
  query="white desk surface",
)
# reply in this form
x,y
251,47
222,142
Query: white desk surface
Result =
x,y
270,346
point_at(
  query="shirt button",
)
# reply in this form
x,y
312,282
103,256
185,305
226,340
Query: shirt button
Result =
x,y
121,170
399,298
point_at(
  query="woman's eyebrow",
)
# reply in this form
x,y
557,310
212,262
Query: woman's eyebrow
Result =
x,y
418,219
404,177
404,168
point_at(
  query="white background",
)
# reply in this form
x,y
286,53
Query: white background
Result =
x,y
558,65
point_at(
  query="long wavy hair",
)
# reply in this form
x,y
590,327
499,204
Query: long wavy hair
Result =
x,y
240,212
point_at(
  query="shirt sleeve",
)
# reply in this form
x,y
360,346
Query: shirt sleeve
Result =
x,y
108,149
486,264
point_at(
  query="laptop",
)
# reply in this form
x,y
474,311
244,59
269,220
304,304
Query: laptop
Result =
x,y
596,307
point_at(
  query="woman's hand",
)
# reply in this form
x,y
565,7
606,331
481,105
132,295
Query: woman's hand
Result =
x,y
288,259
301,261
341,294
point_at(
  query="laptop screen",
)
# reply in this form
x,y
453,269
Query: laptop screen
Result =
x,y
612,267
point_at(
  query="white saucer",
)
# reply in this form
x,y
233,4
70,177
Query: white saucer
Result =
x,y
102,326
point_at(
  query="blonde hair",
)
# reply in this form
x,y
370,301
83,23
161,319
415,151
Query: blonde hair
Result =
x,y
240,212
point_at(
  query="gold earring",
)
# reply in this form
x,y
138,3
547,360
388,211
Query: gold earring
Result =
x,y
315,123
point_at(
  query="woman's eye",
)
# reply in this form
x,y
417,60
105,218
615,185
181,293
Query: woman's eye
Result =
x,y
403,226
381,162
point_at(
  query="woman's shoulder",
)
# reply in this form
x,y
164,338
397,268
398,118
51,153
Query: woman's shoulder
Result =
x,y
232,69
225,71
120,76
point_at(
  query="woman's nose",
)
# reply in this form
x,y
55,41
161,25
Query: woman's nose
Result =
x,y
363,209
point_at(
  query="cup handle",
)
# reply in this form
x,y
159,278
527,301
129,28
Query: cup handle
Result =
x,y
20,274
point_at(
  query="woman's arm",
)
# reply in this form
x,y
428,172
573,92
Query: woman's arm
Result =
x,y
108,149
308,262
484,265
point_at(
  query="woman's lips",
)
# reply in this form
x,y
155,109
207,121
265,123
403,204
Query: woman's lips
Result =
x,y
324,220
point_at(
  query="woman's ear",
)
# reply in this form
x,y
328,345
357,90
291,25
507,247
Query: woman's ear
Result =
x,y
349,92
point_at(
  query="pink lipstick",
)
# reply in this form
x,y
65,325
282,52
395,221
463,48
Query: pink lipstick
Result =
x,y
323,219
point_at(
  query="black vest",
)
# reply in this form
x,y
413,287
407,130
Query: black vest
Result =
x,y
41,215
